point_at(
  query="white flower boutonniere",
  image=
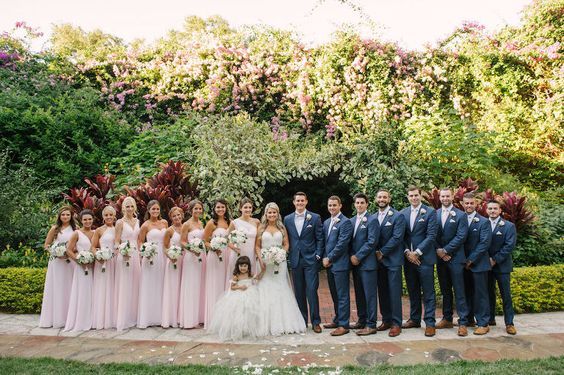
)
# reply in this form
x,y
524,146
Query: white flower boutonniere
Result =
x,y
337,220
501,223
452,213
308,217
423,211
364,219
475,220
390,213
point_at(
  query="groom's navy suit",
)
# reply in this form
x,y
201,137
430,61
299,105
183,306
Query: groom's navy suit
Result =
x,y
476,278
451,237
390,244
337,249
421,236
306,252
363,246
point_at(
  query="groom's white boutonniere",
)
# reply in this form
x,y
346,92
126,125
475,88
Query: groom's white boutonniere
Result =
x,y
390,213
422,211
308,217
475,219
501,223
452,213
337,220
364,219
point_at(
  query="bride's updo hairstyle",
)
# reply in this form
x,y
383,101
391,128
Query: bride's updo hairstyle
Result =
x,y
264,220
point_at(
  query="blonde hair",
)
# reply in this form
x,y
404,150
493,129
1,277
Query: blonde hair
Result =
x,y
264,221
127,200
109,208
173,210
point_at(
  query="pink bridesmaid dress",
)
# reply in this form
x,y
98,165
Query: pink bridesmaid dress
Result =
x,y
103,311
171,287
203,288
57,291
248,249
151,284
215,278
79,317
191,291
127,280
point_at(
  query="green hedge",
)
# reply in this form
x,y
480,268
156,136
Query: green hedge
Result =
x,y
534,289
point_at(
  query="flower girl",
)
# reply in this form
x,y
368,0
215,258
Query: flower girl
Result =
x,y
237,314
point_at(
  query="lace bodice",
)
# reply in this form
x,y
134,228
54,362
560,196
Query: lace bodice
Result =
x,y
269,239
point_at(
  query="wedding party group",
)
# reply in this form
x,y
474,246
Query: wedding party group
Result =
x,y
250,278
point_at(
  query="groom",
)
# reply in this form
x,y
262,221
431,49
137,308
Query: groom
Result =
x,y
305,233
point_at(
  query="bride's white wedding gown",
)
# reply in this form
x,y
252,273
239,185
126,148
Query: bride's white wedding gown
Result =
x,y
279,310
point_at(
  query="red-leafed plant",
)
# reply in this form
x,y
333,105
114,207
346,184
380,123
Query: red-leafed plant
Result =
x,y
485,197
81,199
465,186
102,186
432,198
514,210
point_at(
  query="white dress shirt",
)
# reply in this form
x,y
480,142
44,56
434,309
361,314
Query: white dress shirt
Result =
x,y
414,213
471,217
358,222
299,221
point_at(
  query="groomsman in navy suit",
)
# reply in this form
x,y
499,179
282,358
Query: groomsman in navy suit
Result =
x,y
477,265
504,237
364,266
305,234
419,243
390,246
451,235
338,231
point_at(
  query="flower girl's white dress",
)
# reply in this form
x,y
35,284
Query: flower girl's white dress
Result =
x,y
236,314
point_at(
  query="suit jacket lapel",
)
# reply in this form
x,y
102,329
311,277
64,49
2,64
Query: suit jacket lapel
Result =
x,y
303,223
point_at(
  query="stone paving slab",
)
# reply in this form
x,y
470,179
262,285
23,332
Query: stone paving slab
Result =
x,y
539,336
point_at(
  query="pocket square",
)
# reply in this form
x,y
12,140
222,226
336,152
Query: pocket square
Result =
x,y
389,224
309,226
334,228
363,226
452,221
499,233
420,220
474,230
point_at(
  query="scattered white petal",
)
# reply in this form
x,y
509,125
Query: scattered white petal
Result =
x,y
263,359
390,354
170,352
407,349
215,353
153,350
231,354
190,356
171,359
164,346
202,356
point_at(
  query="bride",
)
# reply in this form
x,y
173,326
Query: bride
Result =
x,y
279,310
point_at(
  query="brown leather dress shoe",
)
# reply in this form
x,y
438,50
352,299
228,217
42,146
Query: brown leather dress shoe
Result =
x,y
367,331
492,323
330,325
481,330
510,328
430,331
444,324
357,325
462,331
394,331
340,331
384,326
316,328
411,324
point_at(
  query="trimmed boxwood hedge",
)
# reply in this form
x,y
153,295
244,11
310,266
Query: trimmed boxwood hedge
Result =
x,y
534,289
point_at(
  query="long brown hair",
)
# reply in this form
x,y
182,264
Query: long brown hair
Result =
x,y
227,215
149,205
59,225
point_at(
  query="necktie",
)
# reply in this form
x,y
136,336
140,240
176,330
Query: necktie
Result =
x,y
412,218
381,216
444,216
358,221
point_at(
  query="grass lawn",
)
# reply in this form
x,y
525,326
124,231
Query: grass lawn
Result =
x,y
42,366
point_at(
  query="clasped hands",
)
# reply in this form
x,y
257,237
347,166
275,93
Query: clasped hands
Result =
x,y
441,253
413,257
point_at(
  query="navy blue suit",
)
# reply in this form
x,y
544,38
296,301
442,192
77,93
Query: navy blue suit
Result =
x,y
365,279
390,244
476,277
451,237
337,249
504,238
306,251
421,278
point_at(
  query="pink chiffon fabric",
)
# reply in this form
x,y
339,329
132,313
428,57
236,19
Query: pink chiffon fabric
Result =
x,y
79,317
103,303
151,284
215,278
171,287
191,289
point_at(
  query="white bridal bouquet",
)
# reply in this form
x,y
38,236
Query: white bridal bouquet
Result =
x,y
174,252
237,237
104,254
274,255
125,249
197,246
58,250
84,258
218,243
148,250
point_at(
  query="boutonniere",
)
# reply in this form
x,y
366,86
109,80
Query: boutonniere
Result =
x,y
475,219
452,213
422,211
501,223
308,217
337,220
364,219
390,213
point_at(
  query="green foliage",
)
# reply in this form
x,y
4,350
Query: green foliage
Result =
x,y
24,256
21,290
26,206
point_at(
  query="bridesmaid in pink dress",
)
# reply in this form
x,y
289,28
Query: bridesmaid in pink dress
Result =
x,y
248,225
103,311
79,317
152,275
191,291
171,286
215,267
127,276
58,281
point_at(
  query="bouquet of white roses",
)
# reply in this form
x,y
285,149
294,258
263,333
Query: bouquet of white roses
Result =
x,y
148,250
84,258
197,246
104,254
218,243
125,249
237,237
58,250
174,252
277,256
